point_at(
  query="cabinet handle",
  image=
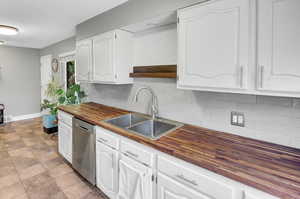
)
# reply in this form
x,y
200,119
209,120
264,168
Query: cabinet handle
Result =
x,y
112,161
241,76
181,177
261,76
131,154
102,140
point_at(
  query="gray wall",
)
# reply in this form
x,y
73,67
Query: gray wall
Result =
x,y
132,12
20,80
61,47
56,49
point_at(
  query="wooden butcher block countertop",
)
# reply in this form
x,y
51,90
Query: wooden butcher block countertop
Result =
x,y
272,168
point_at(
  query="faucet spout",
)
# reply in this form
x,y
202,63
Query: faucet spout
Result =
x,y
154,101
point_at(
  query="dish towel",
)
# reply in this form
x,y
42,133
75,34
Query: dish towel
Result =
x,y
131,182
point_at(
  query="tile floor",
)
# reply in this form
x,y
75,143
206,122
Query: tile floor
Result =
x,y
30,167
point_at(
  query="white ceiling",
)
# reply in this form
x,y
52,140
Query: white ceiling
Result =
x,y
44,22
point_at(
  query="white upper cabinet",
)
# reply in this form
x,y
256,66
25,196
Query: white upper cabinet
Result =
x,y
105,58
278,46
83,60
213,45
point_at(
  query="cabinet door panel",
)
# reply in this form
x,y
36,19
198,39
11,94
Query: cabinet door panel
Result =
x,y
171,189
83,60
279,45
213,45
106,163
65,141
135,180
103,57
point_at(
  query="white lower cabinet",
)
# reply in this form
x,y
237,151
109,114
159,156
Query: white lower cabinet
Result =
x,y
171,189
65,141
107,169
135,180
129,170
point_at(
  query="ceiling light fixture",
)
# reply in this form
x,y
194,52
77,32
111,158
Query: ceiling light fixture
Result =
x,y
8,30
1,43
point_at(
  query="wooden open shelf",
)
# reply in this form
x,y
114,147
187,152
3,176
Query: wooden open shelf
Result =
x,y
159,71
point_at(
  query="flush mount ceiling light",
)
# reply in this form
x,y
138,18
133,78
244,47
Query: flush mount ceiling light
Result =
x,y
8,30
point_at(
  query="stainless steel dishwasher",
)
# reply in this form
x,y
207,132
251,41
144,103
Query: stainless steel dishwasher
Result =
x,y
84,152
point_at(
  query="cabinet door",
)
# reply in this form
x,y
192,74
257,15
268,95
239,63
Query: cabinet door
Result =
x,y
213,45
135,180
65,141
171,189
103,58
279,45
83,60
61,139
69,144
107,169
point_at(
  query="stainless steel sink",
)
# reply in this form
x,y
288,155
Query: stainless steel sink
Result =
x,y
144,125
126,121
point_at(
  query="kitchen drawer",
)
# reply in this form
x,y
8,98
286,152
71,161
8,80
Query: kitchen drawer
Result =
x,y
199,181
107,137
136,152
65,118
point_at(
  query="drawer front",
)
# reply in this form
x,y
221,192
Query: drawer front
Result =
x,y
65,118
198,181
106,137
138,153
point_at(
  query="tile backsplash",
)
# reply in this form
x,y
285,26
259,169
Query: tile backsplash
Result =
x,y
272,119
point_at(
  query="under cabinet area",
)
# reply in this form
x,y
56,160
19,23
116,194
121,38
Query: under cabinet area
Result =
x,y
105,58
65,136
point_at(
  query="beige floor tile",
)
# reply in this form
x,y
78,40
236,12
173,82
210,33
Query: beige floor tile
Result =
x,y
12,191
67,180
31,171
22,163
60,170
23,152
55,162
31,168
7,167
9,180
77,191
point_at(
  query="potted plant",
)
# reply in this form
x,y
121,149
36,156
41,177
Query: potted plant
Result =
x,y
50,104
73,95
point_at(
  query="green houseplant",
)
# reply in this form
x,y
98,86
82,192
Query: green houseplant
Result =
x,y
51,104
73,95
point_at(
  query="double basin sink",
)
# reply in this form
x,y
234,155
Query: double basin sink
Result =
x,y
144,125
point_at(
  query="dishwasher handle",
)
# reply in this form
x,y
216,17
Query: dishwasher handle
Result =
x,y
83,128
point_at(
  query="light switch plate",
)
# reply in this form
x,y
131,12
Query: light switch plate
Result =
x,y
237,119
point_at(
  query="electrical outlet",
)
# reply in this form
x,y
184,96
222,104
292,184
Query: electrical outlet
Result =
x,y
237,119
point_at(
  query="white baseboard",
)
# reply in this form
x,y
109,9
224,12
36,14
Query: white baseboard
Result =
x,y
24,117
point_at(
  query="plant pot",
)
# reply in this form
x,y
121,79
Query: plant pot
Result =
x,y
50,123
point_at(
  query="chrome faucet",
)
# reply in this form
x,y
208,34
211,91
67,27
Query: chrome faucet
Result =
x,y
154,103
